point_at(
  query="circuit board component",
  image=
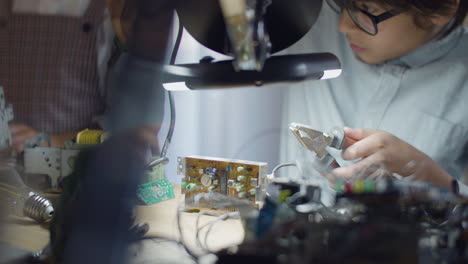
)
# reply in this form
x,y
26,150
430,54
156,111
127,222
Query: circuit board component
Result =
x,y
234,178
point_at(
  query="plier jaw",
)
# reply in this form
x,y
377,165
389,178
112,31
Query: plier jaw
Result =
x,y
318,141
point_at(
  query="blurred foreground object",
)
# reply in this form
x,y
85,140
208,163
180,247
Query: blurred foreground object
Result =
x,y
386,222
98,198
94,224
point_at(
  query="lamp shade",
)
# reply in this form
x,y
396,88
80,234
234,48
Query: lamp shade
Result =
x,y
286,21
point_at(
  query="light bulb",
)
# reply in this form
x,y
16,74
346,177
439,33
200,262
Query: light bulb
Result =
x,y
18,199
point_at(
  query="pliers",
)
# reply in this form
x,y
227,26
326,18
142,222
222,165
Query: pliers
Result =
x,y
317,142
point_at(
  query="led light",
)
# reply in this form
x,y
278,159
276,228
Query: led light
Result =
x,y
176,86
330,74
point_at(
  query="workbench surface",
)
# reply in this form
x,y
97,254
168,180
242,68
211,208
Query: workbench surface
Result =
x,y
26,234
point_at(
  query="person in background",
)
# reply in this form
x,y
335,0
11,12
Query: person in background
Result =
x,y
54,60
404,85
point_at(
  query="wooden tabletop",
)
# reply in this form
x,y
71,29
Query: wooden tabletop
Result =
x,y
27,234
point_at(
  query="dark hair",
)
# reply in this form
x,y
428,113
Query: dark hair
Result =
x,y
424,9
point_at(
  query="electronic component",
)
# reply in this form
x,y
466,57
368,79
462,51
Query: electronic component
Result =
x,y
234,178
90,136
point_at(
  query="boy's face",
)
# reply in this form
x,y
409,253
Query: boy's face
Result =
x,y
396,36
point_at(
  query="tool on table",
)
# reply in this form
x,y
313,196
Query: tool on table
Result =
x,y
317,142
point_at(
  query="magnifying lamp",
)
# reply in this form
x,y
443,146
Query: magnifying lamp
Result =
x,y
250,36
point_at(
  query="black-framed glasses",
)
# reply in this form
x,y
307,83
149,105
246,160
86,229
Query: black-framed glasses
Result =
x,y
362,18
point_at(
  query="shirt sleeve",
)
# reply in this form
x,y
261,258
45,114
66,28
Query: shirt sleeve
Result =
x,y
104,45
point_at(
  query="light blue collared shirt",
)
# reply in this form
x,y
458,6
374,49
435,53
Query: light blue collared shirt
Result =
x,y
422,97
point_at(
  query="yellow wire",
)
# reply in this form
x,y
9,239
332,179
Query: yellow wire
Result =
x,y
6,190
8,185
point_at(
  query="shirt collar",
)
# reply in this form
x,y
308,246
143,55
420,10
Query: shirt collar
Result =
x,y
430,51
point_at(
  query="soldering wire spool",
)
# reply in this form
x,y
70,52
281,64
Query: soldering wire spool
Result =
x,y
89,136
38,208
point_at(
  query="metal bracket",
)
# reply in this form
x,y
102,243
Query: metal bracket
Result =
x,y
6,115
54,162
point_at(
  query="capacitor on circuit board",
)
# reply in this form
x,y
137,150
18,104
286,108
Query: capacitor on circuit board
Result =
x,y
191,186
206,180
358,187
242,195
242,178
241,169
369,186
340,186
240,188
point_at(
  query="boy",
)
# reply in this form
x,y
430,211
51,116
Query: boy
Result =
x,y
404,80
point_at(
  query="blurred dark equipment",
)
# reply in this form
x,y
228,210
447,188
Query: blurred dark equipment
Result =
x,y
397,222
94,224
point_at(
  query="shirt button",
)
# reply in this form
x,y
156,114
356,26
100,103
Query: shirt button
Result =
x,y
3,23
87,27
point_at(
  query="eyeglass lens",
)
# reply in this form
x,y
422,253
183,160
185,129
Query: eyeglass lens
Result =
x,y
362,20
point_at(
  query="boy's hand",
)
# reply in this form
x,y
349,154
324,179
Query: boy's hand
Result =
x,y
377,149
20,133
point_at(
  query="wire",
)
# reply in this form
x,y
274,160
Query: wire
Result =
x,y
197,224
9,191
167,142
210,226
157,239
273,172
212,223
8,185
181,234
220,217
330,211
